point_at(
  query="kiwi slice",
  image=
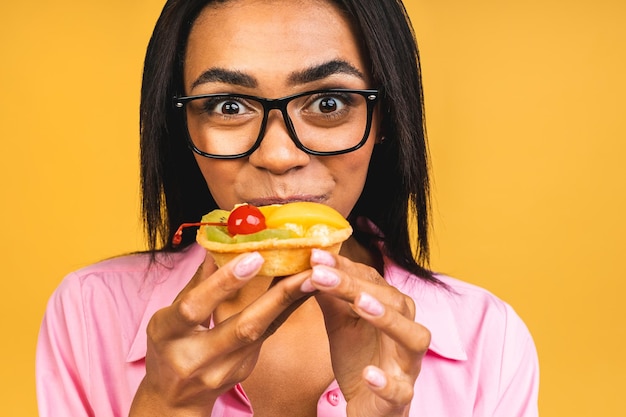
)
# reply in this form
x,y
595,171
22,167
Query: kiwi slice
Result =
x,y
216,216
264,235
218,234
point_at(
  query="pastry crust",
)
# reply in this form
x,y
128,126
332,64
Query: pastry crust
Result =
x,y
282,256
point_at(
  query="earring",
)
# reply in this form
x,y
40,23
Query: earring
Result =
x,y
381,140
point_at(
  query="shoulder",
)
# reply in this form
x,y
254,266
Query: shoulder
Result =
x,y
469,303
477,308
490,346
481,321
105,307
120,275
473,299
139,268
125,283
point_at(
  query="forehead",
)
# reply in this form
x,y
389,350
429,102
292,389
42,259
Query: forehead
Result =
x,y
271,39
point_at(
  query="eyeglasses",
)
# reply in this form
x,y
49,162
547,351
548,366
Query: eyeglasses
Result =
x,y
320,122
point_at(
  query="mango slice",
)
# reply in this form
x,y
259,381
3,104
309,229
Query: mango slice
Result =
x,y
306,214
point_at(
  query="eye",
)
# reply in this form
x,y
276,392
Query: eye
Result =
x,y
328,107
226,106
327,104
231,107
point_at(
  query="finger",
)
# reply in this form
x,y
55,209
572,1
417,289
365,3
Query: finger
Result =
x,y
394,391
347,280
194,306
342,277
333,275
225,369
231,347
206,268
391,312
264,316
329,259
394,322
348,285
403,342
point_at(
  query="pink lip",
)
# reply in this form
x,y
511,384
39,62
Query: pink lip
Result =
x,y
266,201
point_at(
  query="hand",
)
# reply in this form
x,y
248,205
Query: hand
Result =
x,y
188,364
376,346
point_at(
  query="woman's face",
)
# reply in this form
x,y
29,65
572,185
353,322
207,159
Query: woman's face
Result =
x,y
274,49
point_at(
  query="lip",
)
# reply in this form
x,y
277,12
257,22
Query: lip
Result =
x,y
266,201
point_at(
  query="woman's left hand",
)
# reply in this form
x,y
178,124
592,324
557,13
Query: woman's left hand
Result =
x,y
376,346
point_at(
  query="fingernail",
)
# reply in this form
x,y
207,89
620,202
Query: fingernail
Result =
x,y
324,277
307,287
248,266
322,257
370,305
375,377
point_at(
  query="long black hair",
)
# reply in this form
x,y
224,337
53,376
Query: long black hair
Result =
x,y
396,196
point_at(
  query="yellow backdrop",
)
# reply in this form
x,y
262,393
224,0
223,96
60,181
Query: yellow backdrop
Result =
x,y
526,119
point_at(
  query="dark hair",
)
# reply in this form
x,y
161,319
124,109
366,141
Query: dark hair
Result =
x,y
396,192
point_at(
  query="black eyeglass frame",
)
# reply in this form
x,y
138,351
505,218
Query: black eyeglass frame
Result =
x,y
371,98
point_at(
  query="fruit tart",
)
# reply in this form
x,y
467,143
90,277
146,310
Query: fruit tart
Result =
x,y
284,234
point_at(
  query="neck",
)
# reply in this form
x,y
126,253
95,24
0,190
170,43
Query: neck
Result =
x,y
356,252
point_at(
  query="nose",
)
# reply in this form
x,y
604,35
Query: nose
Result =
x,y
277,152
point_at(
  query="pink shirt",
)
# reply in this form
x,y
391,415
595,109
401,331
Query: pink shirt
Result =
x,y
90,355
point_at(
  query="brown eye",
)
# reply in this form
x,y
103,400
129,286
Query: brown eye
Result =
x,y
328,105
231,107
225,106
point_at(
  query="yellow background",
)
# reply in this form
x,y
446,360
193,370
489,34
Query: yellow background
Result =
x,y
526,119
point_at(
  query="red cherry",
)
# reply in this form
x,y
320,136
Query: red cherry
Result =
x,y
246,219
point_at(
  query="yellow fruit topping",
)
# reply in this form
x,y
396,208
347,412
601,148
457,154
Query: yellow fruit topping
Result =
x,y
305,214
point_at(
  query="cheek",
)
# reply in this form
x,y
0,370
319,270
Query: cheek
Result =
x,y
357,164
350,176
355,170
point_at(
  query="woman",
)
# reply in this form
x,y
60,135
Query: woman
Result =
x,y
368,332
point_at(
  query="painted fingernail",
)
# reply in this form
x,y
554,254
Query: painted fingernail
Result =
x,y
370,305
248,266
322,257
307,287
324,277
375,377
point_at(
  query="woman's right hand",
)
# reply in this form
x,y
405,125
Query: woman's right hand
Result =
x,y
188,364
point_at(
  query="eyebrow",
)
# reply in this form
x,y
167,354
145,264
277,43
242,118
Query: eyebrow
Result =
x,y
222,75
308,75
319,72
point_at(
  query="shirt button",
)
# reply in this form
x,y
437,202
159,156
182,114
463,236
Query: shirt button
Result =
x,y
333,397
